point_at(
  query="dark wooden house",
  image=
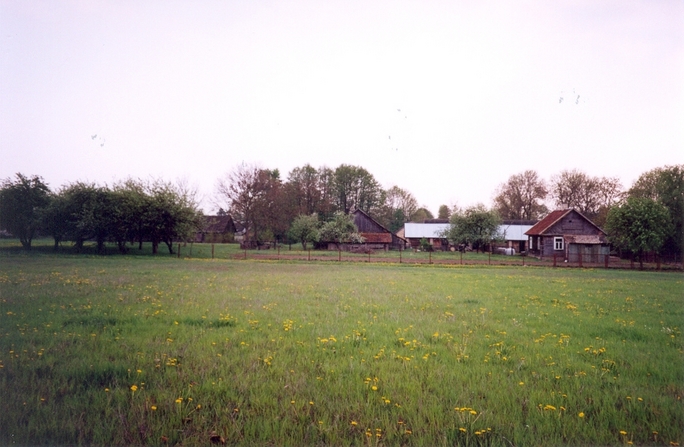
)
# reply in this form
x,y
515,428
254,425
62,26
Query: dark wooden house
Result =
x,y
217,229
568,234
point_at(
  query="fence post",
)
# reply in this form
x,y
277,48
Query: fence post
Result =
x,y
461,257
579,257
309,254
489,262
400,254
190,255
554,259
245,252
368,255
212,251
179,250
339,254
523,256
430,257
278,245
657,261
606,260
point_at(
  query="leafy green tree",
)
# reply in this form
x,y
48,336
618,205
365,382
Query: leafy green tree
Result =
x,y
475,226
340,229
640,225
305,229
22,203
86,207
522,197
172,215
56,219
399,205
666,186
421,214
356,188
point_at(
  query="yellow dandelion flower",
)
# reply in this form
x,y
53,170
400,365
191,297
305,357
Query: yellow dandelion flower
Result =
x,y
153,408
134,388
623,433
462,429
354,423
581,414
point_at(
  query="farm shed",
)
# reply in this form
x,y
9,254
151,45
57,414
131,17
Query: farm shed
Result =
x,y
513,234
568,233
375,235
432,232
217,229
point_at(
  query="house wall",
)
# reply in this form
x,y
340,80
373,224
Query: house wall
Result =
x,y
572,223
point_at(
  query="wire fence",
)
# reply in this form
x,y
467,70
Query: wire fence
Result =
x,y
283,252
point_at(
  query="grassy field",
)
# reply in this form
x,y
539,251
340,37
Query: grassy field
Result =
x,y
142,350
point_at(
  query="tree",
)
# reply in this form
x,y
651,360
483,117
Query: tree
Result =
x,y
303,191
591,196
522,197
666,186
56,219
87,210
475,226
243,190
305,229
398,207
444,212
340,229
22,203
640,225
421,214
172,214
356,188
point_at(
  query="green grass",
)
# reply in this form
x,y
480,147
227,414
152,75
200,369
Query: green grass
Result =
x,y
153,350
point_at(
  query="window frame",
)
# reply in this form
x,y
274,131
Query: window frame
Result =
x,y
558,243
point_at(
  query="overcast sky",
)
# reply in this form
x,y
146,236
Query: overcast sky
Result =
x,y
446,99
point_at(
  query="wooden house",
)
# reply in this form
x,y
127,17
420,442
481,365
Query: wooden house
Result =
x,y
217,229
568,234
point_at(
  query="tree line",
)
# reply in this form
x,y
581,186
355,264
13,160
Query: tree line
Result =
x,y
130,212
297,208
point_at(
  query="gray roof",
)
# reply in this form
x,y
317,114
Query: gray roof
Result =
x,y
426,230
514,232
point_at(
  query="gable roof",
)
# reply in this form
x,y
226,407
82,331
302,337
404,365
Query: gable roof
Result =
x,y
382,227
218,224
552,218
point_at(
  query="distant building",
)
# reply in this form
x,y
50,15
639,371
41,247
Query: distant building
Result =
x,y
433,232
217,229
513,234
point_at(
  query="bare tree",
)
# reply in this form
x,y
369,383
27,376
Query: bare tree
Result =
x,y
592,196
522,197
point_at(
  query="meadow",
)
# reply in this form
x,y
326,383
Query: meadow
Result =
x,y
135,350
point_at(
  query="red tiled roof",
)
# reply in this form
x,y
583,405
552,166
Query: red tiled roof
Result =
x,y
377,238
545,223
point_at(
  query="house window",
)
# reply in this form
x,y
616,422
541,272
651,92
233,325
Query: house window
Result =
x,y
558,243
